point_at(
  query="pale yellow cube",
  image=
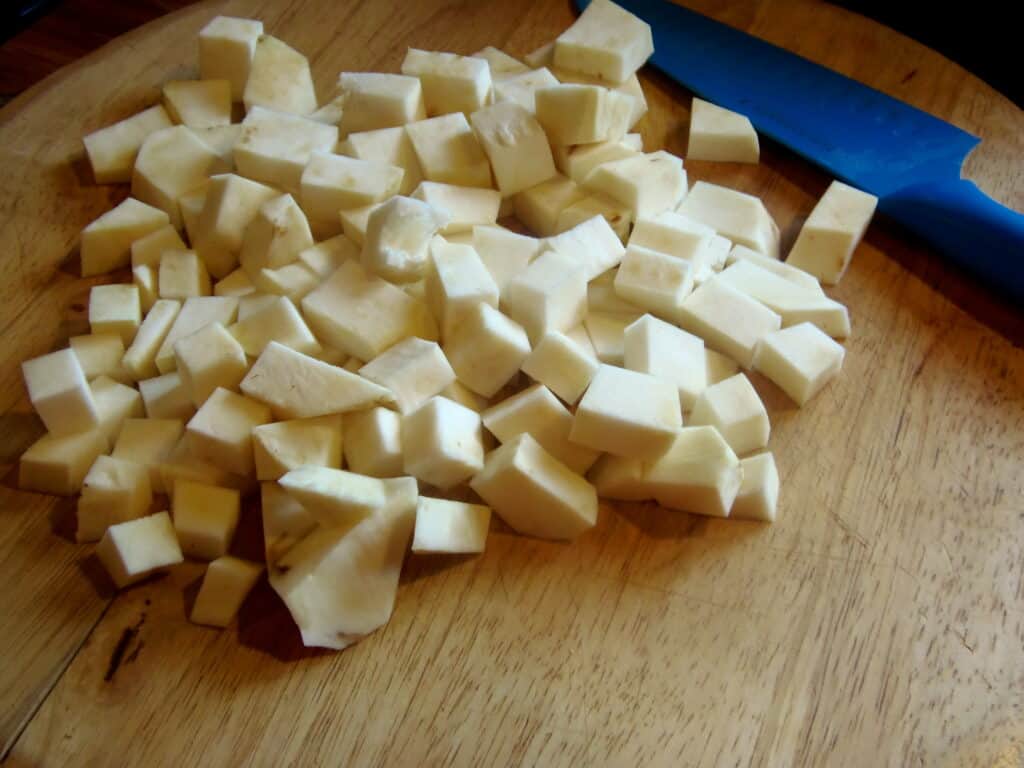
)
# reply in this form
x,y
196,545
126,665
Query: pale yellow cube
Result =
x,y
208,359
740,217
540,206
486,349
442,443
374,100
279,79
276,236
835,227
60,393
183,275
550,295
413,369
560,364
167,397
647,183
728,321
721,135
195,313
106,243
801,360
758,496
205,518
449,152
236,283
115,402
735,410
226,47
666,352
274,147
535,493
450,527
221,430
226,583
654,281
112,150
198,103
114,491
516,146
627,413
99,354
139,359
456,280
171,163
136,549
451,83
332,183
504,253
606,41
583,114
462,207
373,442
148,250
231,203
148,442
58,465
697,473
391,146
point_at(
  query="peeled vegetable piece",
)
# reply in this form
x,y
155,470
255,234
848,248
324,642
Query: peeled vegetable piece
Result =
x,y
340,583
721,135
607,41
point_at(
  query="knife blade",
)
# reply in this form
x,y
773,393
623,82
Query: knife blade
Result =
x,y
910,159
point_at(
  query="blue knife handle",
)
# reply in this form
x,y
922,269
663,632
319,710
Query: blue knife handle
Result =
x,y
973,230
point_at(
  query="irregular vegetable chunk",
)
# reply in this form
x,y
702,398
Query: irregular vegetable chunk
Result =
x,y
727,320
148,442
226,47
721,135
106,242
221,430
698,473
170,163
462,207
647,183
583,114
397,241
516,146
662,350
442,443
115,309
279,78
734,409
551,295
373,442
740,217
758,496
114,491
486,349
374,100
560,364
449,152
112,150
58,464
209,359
540,206
182,275
274,147
535,493
199,103
391,146
451,83
413,369
99,354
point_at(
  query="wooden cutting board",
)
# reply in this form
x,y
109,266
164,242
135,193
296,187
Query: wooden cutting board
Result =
x,y
880,621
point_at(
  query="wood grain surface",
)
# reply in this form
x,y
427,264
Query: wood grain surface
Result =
x,y
879,622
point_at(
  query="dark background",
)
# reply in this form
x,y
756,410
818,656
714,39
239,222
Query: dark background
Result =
x,y
40,36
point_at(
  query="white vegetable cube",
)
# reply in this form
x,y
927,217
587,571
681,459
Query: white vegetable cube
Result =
x,y
166,397
463,395
334,496
373,442
140,358
462,207
451,83
397,241
208,359
115,309
699,473
148,442
740,217
221,431
758,496
171,163
832,232
800,360
675,235
226,583
729,321
616,477
793,303
205,518
182,276
222,140
538,412
182,463
60,393
618,216
293,280
274,147
374,100
413,369
112,150
516,146
551,295
330,113
362,315
540,206
391,146
535,493
450,527
115,402
231,203
583,114
721,135
593,244
99,354
578,161
541,57
276,236
279,79
456,281
442,443
648,184
607,334
606,41
505,254
286,445
561,365
449,152
520,88
297,386
106,243
666,352
734,409
627,413
148,250
114,491
254,303
579,335
226,47
720,367
58,465
323,258
653,280
190,205
331,183
486,349
136,549
199,103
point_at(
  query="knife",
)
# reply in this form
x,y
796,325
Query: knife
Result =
x,y
910,159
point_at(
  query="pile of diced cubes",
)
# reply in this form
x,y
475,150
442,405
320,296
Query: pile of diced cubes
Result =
x,y
324,310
